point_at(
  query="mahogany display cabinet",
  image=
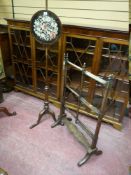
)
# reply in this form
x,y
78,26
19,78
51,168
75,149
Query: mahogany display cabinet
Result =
x,y
104,52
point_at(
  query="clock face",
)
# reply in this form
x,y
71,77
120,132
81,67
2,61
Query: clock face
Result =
x,y
45,26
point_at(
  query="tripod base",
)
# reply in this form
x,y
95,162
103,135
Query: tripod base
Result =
x,y
46,110
5,110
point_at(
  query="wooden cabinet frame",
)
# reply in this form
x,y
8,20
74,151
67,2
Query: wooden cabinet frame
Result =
x,y
98,39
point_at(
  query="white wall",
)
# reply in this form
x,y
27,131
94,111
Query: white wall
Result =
x,y
130,11
110,14
5,10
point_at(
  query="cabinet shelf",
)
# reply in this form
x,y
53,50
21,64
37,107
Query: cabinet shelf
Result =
x,y
115,57
52,68
55,50
22,45
118,76
24,61
20,85
52,81
117,96
80,51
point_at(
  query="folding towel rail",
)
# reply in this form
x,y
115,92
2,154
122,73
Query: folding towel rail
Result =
x,y
63,119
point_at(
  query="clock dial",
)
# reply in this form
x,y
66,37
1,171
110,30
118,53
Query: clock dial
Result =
x,y
45,26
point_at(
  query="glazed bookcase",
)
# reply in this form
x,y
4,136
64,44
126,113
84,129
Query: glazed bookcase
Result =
x,y
28,58
104,52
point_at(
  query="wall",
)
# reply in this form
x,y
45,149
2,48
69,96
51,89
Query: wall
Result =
x,y
130,11
110,14
5,10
